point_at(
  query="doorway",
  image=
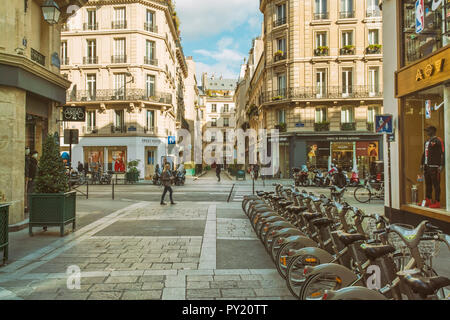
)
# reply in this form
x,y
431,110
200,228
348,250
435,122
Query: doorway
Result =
x,y
150,162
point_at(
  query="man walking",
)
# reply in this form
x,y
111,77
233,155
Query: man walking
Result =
x,y
166,179
218,169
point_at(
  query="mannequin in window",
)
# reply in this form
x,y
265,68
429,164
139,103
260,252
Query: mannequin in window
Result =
x,y
432,165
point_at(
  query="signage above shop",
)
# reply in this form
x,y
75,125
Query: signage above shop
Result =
x,y
430,69
343,138
74,114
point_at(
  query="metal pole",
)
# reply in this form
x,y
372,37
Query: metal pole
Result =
x,y
113,189
87,189
253,181
389,176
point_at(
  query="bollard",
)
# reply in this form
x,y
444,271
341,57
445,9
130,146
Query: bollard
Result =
x,y
113,189
87,189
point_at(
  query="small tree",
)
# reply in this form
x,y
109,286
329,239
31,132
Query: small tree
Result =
x,y
51,176
132,167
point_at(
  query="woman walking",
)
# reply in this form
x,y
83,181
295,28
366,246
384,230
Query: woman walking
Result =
x,y
166,179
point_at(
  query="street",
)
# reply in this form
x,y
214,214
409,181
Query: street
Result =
x,y
132,248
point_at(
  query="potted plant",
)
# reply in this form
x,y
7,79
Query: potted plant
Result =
x,y
281,126
278,53
321,51
374,48
252,111
133,173
276,98
52,204
348,49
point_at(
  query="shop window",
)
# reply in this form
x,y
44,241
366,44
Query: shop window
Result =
x,y
422,40
94,158
422,110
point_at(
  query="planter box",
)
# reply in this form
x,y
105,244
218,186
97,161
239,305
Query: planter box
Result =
x,y
4,240
132,177
48,209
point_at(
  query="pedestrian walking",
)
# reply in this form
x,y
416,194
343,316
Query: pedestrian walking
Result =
x,y
218,169
256,171
166,179
80,167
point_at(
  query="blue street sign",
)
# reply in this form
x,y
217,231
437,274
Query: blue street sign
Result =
x,y
299,125
384,124
171,140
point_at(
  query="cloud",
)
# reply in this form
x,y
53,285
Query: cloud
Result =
x,y
205,18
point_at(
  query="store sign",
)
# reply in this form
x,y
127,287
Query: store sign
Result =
x,y
74,114
345,138
420,16
151,141
430,70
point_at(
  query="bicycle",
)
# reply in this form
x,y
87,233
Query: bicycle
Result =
x,y
368,191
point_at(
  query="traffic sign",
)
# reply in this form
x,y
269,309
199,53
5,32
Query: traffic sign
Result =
x,y
384,124
171,140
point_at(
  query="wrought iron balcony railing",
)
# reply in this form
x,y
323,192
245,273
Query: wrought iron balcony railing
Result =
x,y
90,26
280,57
90,60
121,24
38,57
150,27
346,14
65,61
348,126
122,58
347,51
279,22
321,51
373,13
121,95
330,92
148,60
321,15
321,126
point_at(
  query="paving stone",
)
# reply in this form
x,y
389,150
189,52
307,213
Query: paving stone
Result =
x,y
182,266
152,285
95,266
142,295
203,293
128,286
174,294
224,284
152,278
110,295
161,266
198,285
41,296
227,278
238,293
72,296
92,280
199,278
121,279
270,292
102,287
279,283
252,277
251,284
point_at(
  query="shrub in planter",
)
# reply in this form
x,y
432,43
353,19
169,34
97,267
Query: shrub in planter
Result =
x,y
51,204
133,173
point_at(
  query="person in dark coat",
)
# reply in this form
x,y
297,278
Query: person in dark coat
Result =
x,y
166,179
80,167
218,169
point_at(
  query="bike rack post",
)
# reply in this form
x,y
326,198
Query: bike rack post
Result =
x,y
113,189
231,191
87,189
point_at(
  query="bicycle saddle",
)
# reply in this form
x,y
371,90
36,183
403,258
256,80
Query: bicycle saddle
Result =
x,y
374,251
426,286
322,222
349,238
284,204
311,215
410,237
297,210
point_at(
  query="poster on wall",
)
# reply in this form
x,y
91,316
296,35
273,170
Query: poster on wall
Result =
x,y
367,149
428,109
118,161
317,154
420,16
93,159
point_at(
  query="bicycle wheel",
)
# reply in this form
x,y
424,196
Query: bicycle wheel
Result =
x,y
295,278
282,260
315,286
362,194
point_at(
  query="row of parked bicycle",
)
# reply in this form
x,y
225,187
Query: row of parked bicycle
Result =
x,y
328,250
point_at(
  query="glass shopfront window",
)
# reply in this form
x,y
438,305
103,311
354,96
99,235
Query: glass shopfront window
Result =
x,y
422,110
117,159
426,28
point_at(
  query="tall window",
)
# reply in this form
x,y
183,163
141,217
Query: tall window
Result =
x,y
281,43
371,113
282,116
373,81
150,52
373,36
91,51
282,85
321,9
119,119
347,115
346,9
119,19
226,108
213,122
150,85
119,85
150,119
347,38
150,21
321,82
281,15
119,51
91,120
320,115
214,108
373,9
321,39
226,122
347,81
64,58
91,19
91,86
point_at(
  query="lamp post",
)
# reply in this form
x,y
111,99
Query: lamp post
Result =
x,y
51,11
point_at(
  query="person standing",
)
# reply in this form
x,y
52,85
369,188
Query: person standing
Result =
x,y
218,169
256,171
80,167
433,161
166,179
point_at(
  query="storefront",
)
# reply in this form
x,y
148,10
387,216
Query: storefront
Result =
x,y
422,87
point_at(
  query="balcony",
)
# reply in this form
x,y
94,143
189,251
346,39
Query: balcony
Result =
x,y
90,130
150,27
346,14
119,95
373,13
119,24
330,92
90,60
373,49
150,130
370,126
122,58
321,51
282,127
347,50
321,16
118,129
279,56
321,126
65,61
90,26
279,22
38,57
348,126
150,61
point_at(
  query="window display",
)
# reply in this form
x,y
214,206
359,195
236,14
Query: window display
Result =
x,y
423,148
117,159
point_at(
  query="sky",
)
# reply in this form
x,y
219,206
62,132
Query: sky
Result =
x,y
218,33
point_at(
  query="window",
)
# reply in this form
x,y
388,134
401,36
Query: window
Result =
x,y
321,39
281,15
321,115
282,116
150,53
150,157
119,85
91,53
371,113
119,51
91,120
226,108
347,81
373,81
150,119
281,44
373,37
213,122
150,85
214,108
91,19
347,38
150,21
226,122
91,86
373,9
346,9
281,85
347,115
119,119
320,9
64,59
119,19
321,82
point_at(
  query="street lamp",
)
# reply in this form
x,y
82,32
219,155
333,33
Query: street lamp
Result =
x,y
51,11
